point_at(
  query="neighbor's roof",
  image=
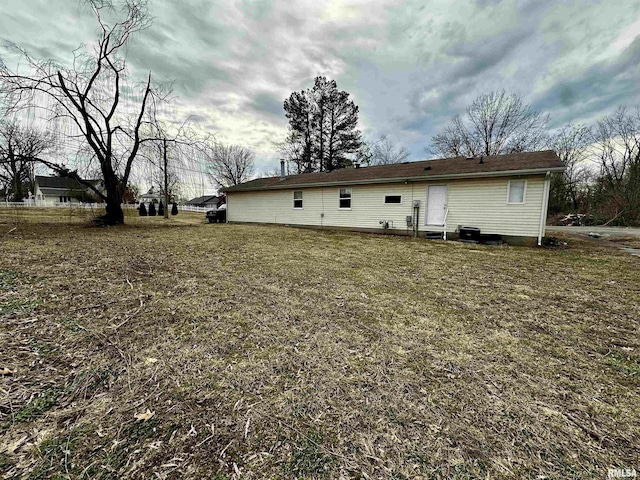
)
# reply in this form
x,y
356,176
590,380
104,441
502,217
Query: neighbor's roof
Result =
x,y
151,195
56,191
204,199
445,168
63,183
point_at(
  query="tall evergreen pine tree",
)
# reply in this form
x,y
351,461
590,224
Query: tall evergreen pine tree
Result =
x,y
322,127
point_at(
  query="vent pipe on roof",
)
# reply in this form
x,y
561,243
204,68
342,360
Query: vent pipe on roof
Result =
x,y
481,159
282,175
357,165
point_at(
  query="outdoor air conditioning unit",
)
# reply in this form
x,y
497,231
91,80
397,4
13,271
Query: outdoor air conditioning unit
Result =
x,y
469,234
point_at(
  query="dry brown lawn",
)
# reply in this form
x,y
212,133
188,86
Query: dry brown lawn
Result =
x,y
273,352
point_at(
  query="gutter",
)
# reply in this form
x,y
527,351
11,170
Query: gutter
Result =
x,y
503,173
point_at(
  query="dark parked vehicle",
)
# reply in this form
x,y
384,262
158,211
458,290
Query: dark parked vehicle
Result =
x,y
217,216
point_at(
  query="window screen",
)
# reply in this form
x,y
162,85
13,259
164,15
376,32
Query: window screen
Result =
x,y
345,198
297,199
516,191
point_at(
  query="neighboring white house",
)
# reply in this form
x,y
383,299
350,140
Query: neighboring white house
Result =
x,y
504,195
62,190
150,197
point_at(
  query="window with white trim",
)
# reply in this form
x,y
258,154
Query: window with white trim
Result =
x,y
345,198
516,192
393,199
297,199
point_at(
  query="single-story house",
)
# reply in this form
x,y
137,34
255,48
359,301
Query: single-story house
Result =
x,y
207,201
63,190
504,195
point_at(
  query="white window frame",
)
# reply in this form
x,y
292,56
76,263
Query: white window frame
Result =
x,y
524,192
384,200
301,200
350,198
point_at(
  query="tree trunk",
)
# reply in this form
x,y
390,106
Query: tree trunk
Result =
x,y
114,192
166,181
18,194
114,214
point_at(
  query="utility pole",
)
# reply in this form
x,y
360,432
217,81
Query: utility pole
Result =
x,y
166,181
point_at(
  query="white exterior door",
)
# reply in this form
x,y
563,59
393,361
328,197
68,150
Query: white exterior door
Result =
x,y
436,204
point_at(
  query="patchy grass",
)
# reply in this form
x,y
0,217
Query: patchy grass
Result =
x,y
309,460
36,407
18,306
8,279
625,363
271,352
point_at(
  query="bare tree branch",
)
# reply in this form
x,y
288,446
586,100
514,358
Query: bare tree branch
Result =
x,y
495,124
229,165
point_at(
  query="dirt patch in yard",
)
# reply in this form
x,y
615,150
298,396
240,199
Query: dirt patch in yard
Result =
x,y
231,351
626,241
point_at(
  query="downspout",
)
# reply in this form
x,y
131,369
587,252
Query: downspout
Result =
x,y
446,212
545,206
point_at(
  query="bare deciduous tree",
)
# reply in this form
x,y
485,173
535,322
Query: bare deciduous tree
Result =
x,y
571,143
90,95
20,148
495,124
616,144
385,152
229,165
292,152
166,148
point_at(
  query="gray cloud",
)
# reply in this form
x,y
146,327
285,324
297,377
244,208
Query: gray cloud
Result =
x,y
409,64
593,92
268,103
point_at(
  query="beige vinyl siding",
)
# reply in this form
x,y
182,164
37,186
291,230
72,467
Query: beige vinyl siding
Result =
x,y
478,202
483,203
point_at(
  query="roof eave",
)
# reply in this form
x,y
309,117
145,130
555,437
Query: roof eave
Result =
x,y
453,176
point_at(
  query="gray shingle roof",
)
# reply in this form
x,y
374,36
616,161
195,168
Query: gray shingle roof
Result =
x,y
65,183
204,199
425,169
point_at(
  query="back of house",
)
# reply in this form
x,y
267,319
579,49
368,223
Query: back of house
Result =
x,y
504,195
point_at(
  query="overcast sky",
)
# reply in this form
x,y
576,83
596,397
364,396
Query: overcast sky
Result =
x,y
409,65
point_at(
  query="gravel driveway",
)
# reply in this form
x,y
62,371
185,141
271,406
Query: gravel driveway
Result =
x,y
611,231
606,235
